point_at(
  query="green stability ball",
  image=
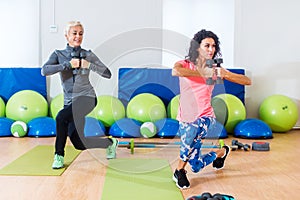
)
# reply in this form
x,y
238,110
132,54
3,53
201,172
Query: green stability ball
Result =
x,y
279,112
2,108
56,104
172,108
146,107
108,110
26,105
229,110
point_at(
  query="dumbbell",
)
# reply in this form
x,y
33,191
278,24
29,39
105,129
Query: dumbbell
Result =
x,y
240,145
218,61
79,55
209,196
210,64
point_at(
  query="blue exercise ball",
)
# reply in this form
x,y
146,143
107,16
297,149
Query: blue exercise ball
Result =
x,y
5,124
253,129
93,127
167,128
217,130
126,128
42,127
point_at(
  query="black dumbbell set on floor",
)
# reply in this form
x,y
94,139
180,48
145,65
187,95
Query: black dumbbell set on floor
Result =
x,y
208,196
245,147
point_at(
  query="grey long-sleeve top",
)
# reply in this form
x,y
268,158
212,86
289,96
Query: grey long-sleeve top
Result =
x,y
74,82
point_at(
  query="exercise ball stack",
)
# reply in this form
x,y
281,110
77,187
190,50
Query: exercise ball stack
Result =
x,y
26,105
229,110
279,112
146,107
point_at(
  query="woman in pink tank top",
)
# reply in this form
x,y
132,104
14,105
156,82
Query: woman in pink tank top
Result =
x,y
195,112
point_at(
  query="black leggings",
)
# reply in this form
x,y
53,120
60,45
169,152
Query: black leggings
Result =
x,y
71,121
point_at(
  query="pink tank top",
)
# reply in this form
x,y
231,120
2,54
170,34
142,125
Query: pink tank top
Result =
x,y
195,96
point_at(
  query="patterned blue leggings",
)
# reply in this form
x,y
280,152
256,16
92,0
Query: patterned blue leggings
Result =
x,y
191,135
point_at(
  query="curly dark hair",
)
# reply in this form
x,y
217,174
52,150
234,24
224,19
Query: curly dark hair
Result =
x,y
195,42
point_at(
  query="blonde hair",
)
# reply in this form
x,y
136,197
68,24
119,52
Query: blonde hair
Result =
x,y
72,24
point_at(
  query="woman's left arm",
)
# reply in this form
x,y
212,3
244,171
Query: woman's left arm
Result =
x,y
234,77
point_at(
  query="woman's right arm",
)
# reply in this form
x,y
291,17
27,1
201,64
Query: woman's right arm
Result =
x,y
52,66
179,70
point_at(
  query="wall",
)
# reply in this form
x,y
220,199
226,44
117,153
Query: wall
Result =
x,y
266,41
19,36
185,18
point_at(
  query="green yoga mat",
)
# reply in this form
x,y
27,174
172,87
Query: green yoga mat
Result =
x,y
38,162
145,179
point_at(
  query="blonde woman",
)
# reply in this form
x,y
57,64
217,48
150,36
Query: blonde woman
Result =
x,y
74,65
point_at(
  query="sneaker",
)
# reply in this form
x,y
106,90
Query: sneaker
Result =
x,y
58,162
219,162
111,150
181,180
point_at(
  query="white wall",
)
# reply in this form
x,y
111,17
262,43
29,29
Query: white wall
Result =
x,y
19,35
185,18
266,43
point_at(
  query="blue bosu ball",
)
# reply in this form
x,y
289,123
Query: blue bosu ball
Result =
x,y
167,127
5,124
253,129
41,127
93,127
126,128
216,130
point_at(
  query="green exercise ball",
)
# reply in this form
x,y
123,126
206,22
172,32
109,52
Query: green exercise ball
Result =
x,y
172,108
146,107
279,112
2,108
229,110
108,110
56,104
26,105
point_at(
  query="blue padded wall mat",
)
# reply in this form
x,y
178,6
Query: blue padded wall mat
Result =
x,y
13,80
160,82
